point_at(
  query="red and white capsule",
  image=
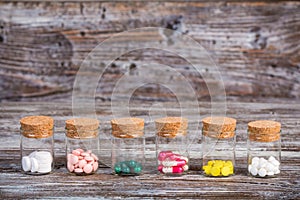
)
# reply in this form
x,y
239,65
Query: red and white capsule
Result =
x,y
164,154
173,170
173,163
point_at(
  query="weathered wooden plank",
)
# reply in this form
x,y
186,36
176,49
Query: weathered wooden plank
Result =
x,y
255,44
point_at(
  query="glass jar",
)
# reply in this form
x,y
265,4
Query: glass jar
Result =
x,y
218,146
128,149
82,145
264,148
36,145
171,145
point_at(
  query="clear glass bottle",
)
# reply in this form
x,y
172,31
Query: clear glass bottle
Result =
x,y
36,145
128,149
82,145
171,145
264,148
218,146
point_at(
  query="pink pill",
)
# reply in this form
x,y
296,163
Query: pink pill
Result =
x,y
73,159
95,166
89,151
88,168
69,156
95,157
89,158
91,162
80,157
80,150
82,163
76,153
70,167
76,166
78,170
85,154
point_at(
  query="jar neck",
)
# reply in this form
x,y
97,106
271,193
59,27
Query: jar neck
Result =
x,y
264,137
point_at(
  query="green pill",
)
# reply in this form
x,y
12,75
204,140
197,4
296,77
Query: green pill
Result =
x,y
132,163
126,170
118,168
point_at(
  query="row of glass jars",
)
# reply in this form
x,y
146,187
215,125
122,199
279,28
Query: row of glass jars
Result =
x,y
128,146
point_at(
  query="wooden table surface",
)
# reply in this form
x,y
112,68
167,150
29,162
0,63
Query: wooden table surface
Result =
x,y
60,184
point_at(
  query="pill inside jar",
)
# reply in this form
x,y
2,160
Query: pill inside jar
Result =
x,y
172,163
82,162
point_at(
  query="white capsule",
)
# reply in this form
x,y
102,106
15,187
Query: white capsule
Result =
x,y
262,172
270,173
26,163
253,171
34,165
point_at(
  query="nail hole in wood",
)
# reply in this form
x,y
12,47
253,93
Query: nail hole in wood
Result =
x,y
82,33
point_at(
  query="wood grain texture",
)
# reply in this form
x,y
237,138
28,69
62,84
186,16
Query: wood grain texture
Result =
x,y
60,184
255,44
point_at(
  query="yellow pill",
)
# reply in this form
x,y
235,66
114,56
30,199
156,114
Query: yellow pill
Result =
x,y
211,162
215,171
207,170
228,162
225,171
218,164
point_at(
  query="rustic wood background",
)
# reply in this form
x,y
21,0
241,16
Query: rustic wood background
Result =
x,y
254,43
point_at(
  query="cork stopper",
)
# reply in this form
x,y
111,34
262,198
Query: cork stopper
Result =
x,y
264,131
127,127
171,127
219,127
82,128
37,126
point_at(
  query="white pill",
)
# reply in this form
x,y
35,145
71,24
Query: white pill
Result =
x,y
275,162
271,158
254,164
262,172
26,163
249,168
269,167
270,173
44,168
253,171
34,165
262,160
255,159
44,157
32,154
262,164
277,172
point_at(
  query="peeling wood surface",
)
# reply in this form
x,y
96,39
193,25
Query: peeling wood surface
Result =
x,y
15,185
255,44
